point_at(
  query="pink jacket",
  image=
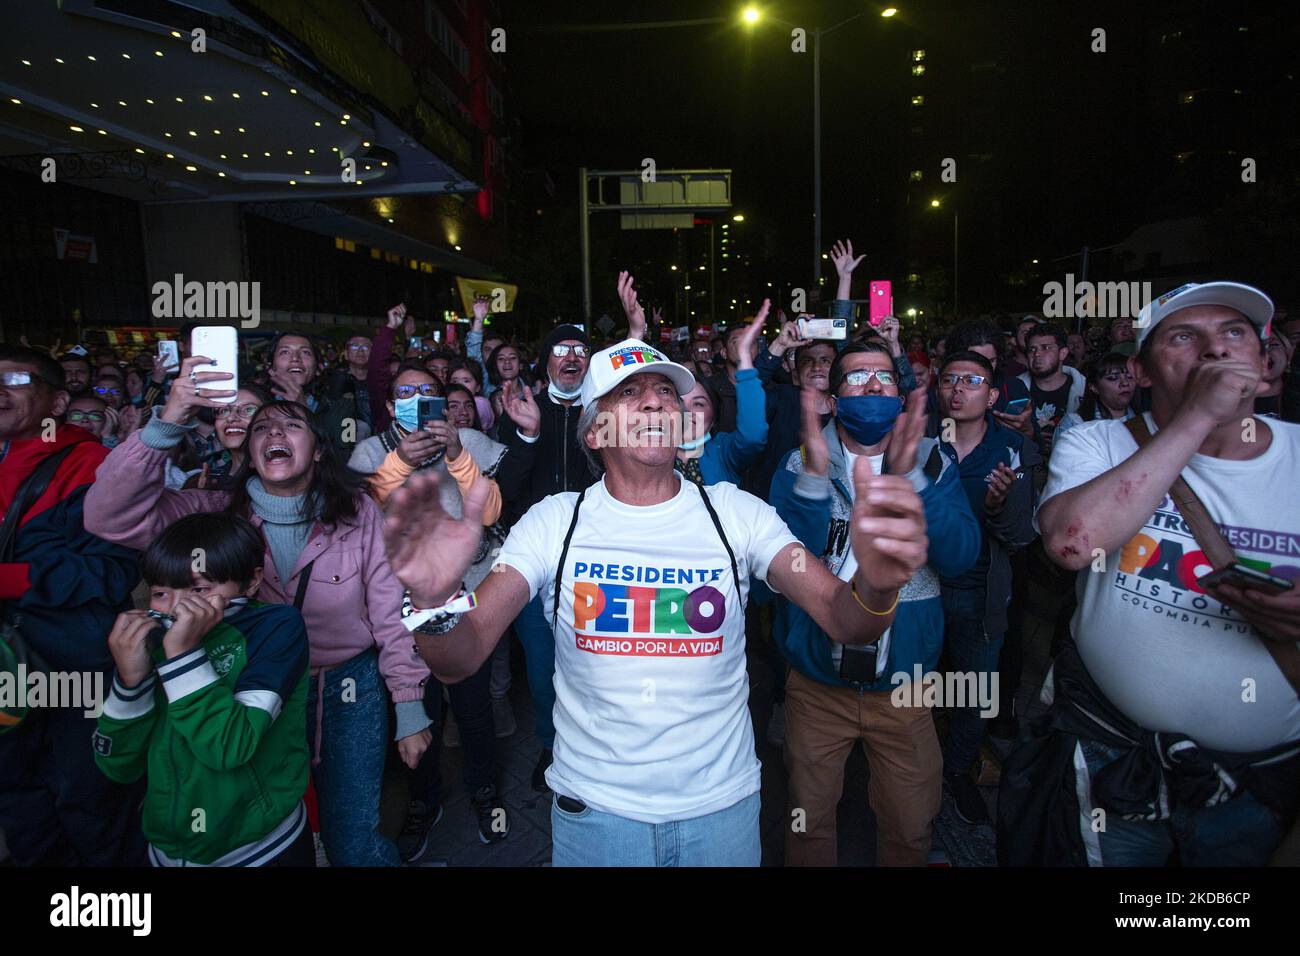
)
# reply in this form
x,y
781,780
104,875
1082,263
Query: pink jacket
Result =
x,y
353,602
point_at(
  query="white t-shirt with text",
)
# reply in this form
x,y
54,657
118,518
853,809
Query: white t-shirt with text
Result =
x,y
651,714
1170,656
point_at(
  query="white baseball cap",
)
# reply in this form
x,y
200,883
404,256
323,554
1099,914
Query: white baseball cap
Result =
x,y
1246,299
610,366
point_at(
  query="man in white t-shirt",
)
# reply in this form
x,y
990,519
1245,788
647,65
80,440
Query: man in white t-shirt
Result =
x,y
1200,755
654,759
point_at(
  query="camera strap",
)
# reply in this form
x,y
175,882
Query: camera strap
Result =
x,y
1207,534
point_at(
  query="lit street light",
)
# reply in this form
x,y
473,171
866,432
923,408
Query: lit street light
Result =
x,y
751,15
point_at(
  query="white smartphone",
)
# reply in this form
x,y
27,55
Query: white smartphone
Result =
x,y
221,344
810,328
170,354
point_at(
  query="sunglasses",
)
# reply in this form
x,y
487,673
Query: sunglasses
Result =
x,y
428,390
79,416
968,379
863,376
560,351
246,411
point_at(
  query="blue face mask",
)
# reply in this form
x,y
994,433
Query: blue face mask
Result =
x,y
696,443
868,418
405,412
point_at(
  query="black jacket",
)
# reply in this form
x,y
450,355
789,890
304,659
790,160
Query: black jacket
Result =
x,y
548,466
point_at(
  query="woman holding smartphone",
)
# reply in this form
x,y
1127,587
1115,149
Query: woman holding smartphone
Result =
x,y
324,553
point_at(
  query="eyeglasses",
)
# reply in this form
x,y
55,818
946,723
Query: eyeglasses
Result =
x,y
246,411
358,348
863,376
428,390
79,416
560,351
17,379
105,390
951,379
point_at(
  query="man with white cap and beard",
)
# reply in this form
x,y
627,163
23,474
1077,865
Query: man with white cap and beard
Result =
x,y
644,577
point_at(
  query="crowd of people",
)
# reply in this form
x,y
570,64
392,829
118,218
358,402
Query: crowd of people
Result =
x,y
283,583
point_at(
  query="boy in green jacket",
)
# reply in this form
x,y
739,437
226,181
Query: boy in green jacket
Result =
x,y
209,697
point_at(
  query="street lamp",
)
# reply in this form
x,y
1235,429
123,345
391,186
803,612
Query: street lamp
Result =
x,y
751,15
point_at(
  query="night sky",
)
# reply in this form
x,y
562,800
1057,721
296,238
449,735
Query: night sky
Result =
x,y
1081,144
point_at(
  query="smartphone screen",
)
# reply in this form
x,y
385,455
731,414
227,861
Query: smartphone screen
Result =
x,y
882,302
170,354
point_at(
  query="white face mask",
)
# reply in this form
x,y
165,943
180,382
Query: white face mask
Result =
x,y
561,395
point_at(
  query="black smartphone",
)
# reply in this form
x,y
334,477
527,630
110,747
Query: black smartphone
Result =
x,y
1243,576
1016,406
430,410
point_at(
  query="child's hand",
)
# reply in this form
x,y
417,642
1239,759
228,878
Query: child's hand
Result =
x,y
195,618
126,642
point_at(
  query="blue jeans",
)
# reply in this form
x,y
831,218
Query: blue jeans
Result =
x,y
1240,832
727,837
354,743
539,656
969,650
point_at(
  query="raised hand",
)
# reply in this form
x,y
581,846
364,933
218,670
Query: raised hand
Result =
x,y
397,315
887,530
751,334
184,399
632,308
480,312
517,401
907,434
842,256
427,548
816,453
417,446
447,436
889,332
789,338
128,420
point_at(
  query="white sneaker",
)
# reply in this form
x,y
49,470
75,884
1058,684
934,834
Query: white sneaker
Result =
x,y
503,716
450,732
776,726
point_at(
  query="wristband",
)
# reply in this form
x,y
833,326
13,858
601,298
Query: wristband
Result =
x,y
853,588
413,617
